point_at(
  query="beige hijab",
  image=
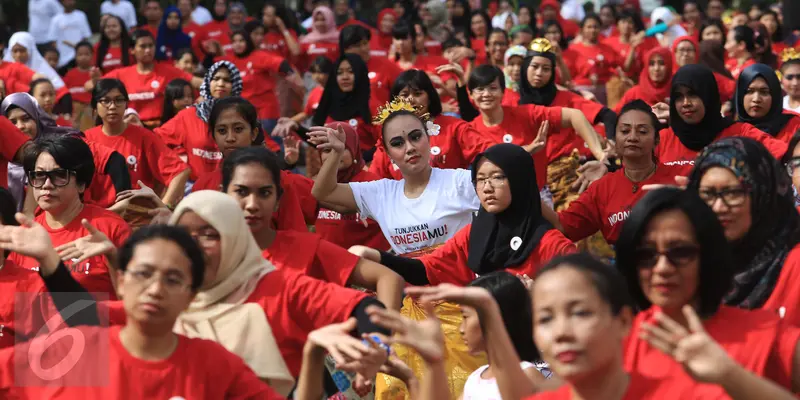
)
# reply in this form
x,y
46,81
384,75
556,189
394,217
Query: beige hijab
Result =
x,y
219,312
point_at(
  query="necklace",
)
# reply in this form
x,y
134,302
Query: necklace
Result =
x,y
636,183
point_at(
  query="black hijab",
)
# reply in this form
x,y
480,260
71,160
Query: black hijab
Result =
x,y
342,106
775,119
775,228
700,80
491,235
544,95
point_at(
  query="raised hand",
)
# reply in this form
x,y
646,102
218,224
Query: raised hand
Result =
x,y
425,337
29,238
661,110
143,191
285,127
453,67
702,357
474,297
94,244
338,342
327,138
291,149
539,143
681,182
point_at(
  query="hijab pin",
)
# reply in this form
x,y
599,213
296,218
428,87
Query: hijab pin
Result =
x,y
516,241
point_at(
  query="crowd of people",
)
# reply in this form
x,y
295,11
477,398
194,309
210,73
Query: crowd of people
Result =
x,y
449,201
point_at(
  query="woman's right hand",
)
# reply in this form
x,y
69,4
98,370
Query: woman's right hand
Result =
x,y
285,127
96,243
327,138
425,337
661,110
454,68
29,239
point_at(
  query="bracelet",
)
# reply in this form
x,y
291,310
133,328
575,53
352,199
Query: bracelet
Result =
x,y
377,339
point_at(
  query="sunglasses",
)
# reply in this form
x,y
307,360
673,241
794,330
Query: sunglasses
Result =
x,y
678,256
58,177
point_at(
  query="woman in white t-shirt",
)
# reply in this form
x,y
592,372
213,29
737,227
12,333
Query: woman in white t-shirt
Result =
x,y
416,214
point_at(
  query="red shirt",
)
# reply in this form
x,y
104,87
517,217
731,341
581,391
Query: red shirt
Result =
x,y
297,208
259,71
607,203
479,47
148,158
786,294
790,128
218,31
598,59
510,98
18,284
146,91
733,66
368,134
348,230
310,51
520,126
448,263
319,258
561,143
17,77
382,74
275,43
296,304
671,151
756,339
188,135
639,388
13,139
314,96
113,59
726,86
93,273
101,191
623,49
196,369
433,47
456,145
75,79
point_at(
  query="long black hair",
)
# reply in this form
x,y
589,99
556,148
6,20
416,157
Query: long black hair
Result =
x,y
173,91
419,80
105,43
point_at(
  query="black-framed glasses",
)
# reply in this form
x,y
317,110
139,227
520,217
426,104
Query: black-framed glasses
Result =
x,y
731,197
58,177
106,102
678,256
792,165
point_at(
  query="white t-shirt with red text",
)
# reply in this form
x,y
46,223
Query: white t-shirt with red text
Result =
x,y
444,208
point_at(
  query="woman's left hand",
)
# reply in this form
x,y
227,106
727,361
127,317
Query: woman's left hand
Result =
x,y
702,357
96,243
291,150
474,297
143,191
589,172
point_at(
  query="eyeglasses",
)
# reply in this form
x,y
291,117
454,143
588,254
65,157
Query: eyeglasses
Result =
x,y
732,197
58,177
791,77
792,165
495,182
145,278
119,102
678,256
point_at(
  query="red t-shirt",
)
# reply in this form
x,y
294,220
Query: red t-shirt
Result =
x,y
101,191
561,143
790,128
448,263
786,293
520,126
479,47
187,134
148,158
607,203
456,145
510,98
146,91
671,151
259,71
75,79
296,304
382,74
368,134
756,339
599,59
297,208
348,230
319,258
275,43
196,369
93,273
433,47
726,86
310,51
314,96
639,388
733,66
113,59
13,139
19,284
218,31
17,77
623,49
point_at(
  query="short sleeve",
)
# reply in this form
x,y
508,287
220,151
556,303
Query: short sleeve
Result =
x,y
589,108
319,303
471,141
163,162
776,147
538,114
369,196
336,263
301,186
269,62
780,363
13,139
448,263
466,190
173,132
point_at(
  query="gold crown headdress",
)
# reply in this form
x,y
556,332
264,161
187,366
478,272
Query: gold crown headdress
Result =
x,y
789,54
541,45
398,104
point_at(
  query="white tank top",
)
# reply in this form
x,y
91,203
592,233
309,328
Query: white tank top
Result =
x,y
477,388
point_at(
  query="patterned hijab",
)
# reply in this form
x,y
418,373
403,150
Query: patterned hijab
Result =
x,y
203,109
775,228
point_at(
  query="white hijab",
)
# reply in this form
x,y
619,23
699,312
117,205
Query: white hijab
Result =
x,y
499,21
36,61
665,15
